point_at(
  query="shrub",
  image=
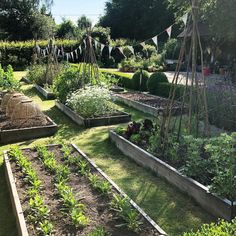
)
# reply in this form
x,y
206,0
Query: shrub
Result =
x,y
154,81
67,82
139,80
7,81
222,228
36,74
91,101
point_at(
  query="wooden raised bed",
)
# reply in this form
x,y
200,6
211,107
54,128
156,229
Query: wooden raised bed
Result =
x,y
23,134
44,92
142,104
120,117
216,206
148,226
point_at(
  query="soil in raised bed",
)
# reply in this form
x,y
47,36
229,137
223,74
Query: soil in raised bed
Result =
x,y
153,101
97,206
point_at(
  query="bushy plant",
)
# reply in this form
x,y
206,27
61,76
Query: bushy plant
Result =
x,y
67,82
154,81
171,49
91,101
36,74
139,80
222,228
7,80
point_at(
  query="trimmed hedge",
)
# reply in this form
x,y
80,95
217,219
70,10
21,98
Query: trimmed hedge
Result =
x,y
136,80
154,81
19,54
163,90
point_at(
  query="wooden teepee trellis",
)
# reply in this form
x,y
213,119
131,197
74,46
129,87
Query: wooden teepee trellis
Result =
x,y
194,96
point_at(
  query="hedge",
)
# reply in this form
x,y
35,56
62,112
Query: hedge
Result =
x,y
19,54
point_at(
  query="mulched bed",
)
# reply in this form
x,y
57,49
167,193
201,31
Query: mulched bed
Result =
x,y
153,101
97,206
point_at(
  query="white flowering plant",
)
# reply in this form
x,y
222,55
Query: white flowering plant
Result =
x,y
91,101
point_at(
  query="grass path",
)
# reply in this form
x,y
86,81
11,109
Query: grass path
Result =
x,y
172,210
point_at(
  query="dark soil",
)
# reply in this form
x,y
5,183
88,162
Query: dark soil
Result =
x,y
97,206
153,101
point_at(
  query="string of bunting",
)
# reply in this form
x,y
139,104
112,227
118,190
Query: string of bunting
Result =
x,y
74,54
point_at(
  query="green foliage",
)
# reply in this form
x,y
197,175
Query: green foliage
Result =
x,y
91,101
84,23
154,81
99,231
102,186
222,228
67,30
136,20
139,80
67,82
171,49
125,211
7,80
136,138
36,74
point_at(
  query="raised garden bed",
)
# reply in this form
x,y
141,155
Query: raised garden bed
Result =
x,y
46,94
119,117
216,206
83,178
22,134
146,103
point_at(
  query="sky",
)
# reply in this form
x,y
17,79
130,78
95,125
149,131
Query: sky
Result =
x,y
73,9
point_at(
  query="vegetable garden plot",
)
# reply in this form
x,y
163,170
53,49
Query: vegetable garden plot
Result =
x,y
146,103
62,192
44,92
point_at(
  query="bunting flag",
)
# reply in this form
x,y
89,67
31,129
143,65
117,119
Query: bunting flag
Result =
x,y
80,49
72,56
110,49
67,56
102,47
85,45
143,44
121,51
58,52
155,40
96,44
185,18
76,53
47,51
44,52
38,50
131,49
169,30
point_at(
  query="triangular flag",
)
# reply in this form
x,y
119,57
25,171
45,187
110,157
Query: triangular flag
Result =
x,y
102,47
155,40
67,56
169,30
76,53
80,49
38,49
72,56
96,44
85,45
44,52
185,18
131,49
47,51
110,49
121,50
58,52
143,44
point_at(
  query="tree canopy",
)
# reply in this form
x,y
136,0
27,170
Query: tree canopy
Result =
x,y
135,19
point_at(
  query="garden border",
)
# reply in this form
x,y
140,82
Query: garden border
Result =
x,y
44,92
213,204
144,107
21,224
23,134
93,122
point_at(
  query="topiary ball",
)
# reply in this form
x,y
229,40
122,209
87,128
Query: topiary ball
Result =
x,y
139,80
154,81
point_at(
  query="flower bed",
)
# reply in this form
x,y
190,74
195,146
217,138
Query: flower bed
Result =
x,y
146,103
115,118
219,207
61,191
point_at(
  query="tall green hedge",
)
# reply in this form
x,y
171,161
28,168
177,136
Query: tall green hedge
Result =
x,y
19,54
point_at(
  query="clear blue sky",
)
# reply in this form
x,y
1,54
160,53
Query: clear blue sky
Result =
x,y
73,9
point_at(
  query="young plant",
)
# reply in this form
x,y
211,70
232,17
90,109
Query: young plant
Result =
x,y
78,218
46,228
83,167
99,231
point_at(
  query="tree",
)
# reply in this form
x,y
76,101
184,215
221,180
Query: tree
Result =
x,y
84,23
17,18
135,19
67,29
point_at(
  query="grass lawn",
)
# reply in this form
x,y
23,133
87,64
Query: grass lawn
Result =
x,y
115,72
173,211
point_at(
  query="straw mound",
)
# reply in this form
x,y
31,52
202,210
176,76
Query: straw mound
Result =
x,y
13,102
27,114
5,100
